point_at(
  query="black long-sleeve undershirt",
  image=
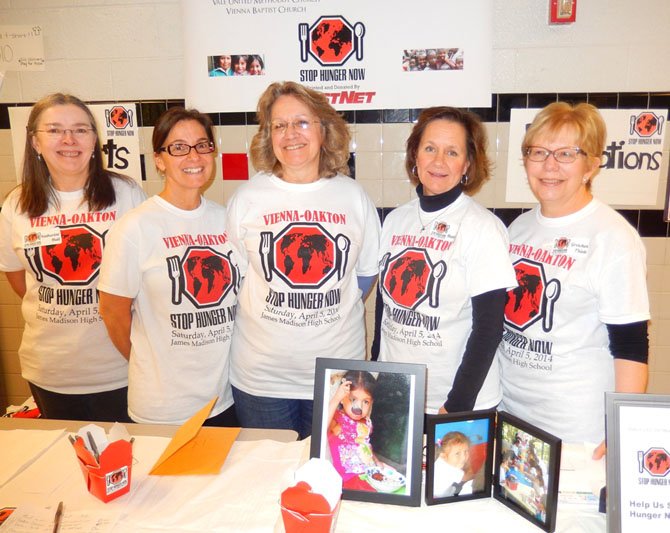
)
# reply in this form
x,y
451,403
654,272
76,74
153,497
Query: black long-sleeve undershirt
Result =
x,y
487,318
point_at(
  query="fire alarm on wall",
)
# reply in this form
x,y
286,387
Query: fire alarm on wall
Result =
x,y
562,11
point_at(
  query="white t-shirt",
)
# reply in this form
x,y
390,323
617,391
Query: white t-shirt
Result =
x,y
65,346
576,274
444,478
179,268
428,278
302,246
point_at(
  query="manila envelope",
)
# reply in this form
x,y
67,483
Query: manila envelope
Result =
x,y
195,449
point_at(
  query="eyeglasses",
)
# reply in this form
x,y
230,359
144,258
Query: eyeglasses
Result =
x,y
566,154
280,127
58,133
181,149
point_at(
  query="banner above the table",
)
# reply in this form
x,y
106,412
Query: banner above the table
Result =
x,y
362,55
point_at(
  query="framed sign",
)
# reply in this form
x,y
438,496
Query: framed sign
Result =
x,y
526,470
638,462
460,456
368,421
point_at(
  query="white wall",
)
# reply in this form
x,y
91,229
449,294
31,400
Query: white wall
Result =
x,y
132,49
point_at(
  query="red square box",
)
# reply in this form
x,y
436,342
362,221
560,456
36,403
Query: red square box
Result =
x,y
235,166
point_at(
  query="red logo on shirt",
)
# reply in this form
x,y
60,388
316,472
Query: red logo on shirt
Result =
x,y
533,299
409,278
304,255
75,260
203,275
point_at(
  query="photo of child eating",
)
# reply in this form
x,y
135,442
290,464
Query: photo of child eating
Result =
x,y
349,436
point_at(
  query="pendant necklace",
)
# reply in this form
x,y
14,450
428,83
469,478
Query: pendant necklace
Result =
x,y
432,220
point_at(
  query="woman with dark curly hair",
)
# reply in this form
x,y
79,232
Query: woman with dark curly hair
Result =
x,y
308,237
52,235
445,266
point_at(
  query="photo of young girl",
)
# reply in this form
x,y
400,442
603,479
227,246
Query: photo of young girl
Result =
x,y
461,451
349,436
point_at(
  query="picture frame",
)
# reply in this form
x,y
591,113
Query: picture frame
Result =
x,y
459,464
527,467
638,461
368,422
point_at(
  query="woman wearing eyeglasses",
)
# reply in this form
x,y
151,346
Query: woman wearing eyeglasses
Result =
x,y
52,234
308,236
576,326
168,284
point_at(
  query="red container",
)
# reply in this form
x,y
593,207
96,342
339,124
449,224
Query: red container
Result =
x,y
109,477
295,522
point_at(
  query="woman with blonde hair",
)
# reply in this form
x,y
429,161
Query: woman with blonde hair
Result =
x,y
52,235
308,236
576,326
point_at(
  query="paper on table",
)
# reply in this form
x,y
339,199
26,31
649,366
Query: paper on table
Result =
x,y
30,519
196,450
581,477
20,447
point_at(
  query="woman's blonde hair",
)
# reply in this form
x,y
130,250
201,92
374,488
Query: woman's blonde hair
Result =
x,y
583,119
334,155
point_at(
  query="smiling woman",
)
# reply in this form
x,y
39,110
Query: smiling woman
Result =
x,y
168,291
293,260
52,230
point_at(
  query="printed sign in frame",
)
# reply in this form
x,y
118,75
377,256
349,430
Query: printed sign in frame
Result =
x,y
638,462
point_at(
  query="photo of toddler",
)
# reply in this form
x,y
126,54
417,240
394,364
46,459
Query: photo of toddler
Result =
x,y
451,465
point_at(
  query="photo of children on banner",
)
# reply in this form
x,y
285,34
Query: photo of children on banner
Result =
x,y
236,65
460,456
527,468
367,423
432,59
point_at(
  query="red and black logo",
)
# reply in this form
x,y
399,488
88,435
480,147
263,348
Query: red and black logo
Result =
x,y
410,278
203,275
331,40
74,261
533,299
655,461
304,255
118,117
646,124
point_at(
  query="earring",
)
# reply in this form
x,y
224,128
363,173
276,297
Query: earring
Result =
x,y
465,179
39,156
92,155
585,180
414,172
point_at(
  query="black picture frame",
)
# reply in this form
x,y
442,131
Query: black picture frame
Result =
x,y
638,461
472,431
395,426
533,464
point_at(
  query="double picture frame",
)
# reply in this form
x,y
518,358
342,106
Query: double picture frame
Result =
x,y
368,422
480,454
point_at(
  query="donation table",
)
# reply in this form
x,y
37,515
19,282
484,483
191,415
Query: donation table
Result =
x,y
243,497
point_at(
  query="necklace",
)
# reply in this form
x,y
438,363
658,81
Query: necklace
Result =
x,y
423,224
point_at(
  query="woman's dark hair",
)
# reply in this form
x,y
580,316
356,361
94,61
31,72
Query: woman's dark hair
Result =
x,y
37,191
169,119
475,141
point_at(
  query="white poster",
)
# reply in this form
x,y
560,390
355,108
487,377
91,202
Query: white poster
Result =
x,y
645,468
362,55
631,163
117,130
21,48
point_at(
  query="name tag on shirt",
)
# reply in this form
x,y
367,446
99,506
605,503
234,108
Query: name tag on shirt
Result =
x,y
44,237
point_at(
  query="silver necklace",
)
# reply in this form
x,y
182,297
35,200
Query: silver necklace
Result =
x,y
430,222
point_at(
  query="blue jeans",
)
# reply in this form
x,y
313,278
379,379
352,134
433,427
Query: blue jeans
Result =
x,y
274,413
108,406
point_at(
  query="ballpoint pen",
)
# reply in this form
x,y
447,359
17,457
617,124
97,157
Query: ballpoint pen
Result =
x,y
94,448
57,517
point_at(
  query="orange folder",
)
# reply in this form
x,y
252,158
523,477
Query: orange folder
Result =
x,y
196,450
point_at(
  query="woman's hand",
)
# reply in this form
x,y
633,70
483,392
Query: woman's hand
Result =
x,y
600,451
442,410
